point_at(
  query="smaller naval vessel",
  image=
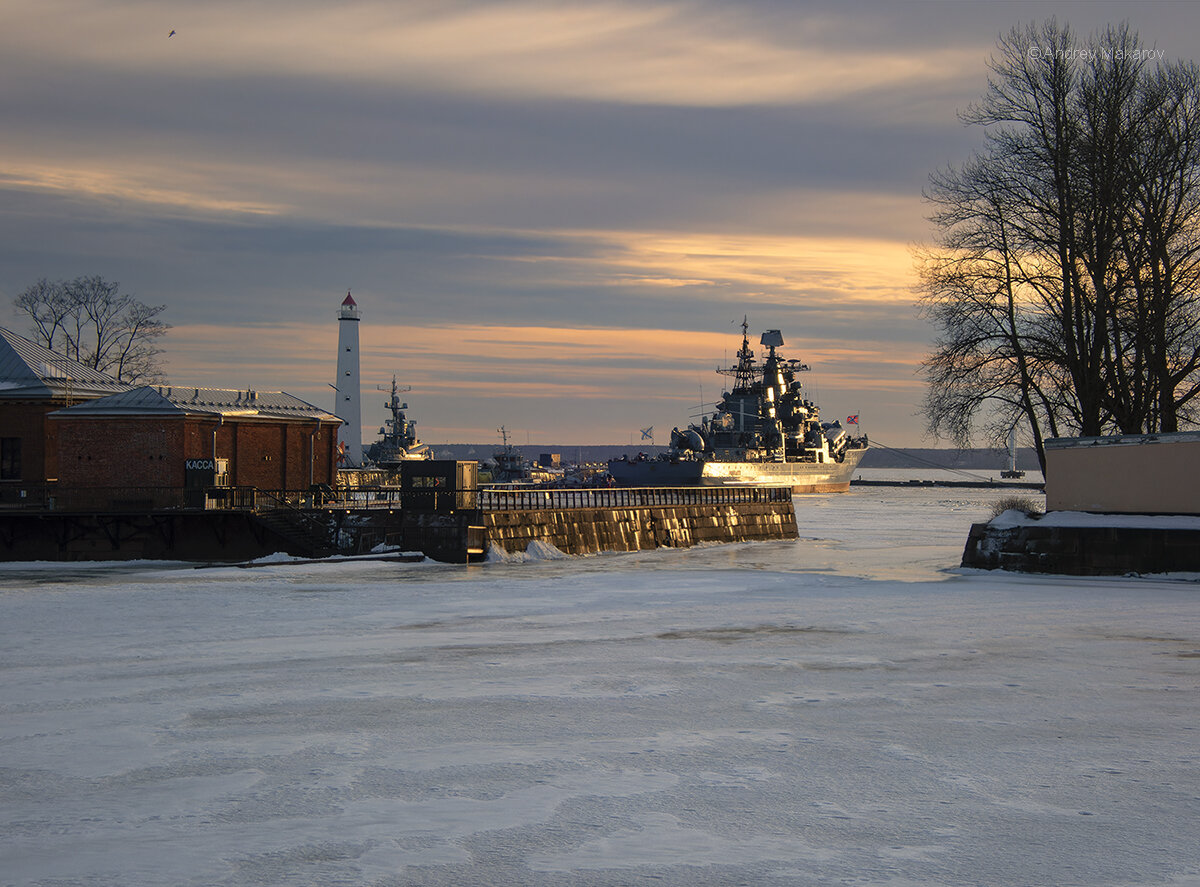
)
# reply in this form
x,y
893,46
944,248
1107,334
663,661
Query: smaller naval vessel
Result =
x,y
399,436
508,467
764,431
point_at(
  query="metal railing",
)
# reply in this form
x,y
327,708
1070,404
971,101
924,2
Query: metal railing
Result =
x,y
626,497
15,496
51,497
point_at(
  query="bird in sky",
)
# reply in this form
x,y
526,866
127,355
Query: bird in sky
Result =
x,y
172,34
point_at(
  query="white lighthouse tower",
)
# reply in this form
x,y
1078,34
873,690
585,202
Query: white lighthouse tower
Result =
x,y
348,387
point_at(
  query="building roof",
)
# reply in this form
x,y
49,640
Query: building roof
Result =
x,y
28,371
1121,440
173,400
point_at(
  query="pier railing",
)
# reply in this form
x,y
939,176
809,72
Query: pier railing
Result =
x,y
625,497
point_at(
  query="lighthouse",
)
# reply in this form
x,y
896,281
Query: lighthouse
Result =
x,y
348,387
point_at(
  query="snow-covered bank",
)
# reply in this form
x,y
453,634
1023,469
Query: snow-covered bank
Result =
x,y
1014,518
844,709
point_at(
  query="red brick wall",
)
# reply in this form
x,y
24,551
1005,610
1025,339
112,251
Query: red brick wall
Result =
x,y
142,451
28,422
278,455
119,451
325,467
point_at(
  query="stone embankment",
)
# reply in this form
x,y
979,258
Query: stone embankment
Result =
x,y
635,528
1086,545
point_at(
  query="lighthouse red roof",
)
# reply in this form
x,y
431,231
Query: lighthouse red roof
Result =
x,y
349,300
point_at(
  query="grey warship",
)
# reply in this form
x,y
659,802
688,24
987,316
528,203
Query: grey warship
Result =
x,y
763,431
398,442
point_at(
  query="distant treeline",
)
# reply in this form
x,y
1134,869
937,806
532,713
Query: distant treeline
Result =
x,y
876,457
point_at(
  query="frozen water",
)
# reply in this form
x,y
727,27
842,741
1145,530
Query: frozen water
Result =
x,y
848,709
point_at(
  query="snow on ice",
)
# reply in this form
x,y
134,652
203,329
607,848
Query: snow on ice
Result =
x,y
850,708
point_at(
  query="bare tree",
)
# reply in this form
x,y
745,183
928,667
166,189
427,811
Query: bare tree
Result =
x,y
977,291
1064,276
90,320
1161,246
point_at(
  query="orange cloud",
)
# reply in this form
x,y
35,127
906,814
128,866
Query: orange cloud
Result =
x,y
778,268
129,182
465,371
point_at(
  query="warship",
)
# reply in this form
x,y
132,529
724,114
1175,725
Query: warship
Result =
x,y
764,431
509,466
398,442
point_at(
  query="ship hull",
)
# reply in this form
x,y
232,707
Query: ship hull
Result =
x,y
802,477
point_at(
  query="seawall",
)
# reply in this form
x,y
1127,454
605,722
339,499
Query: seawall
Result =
x,y
1083,550
591,530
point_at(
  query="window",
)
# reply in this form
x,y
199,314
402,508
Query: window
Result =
x,y
10,458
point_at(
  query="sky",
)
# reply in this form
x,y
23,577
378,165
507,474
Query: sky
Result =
x,y
553,216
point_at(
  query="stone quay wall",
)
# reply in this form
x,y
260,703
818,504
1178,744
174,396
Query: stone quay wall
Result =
x,y
636,528
1083,551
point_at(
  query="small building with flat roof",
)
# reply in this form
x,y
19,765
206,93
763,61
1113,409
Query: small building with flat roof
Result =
x,y
1124,474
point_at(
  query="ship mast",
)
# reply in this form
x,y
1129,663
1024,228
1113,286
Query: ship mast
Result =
x,y
398,422
743,373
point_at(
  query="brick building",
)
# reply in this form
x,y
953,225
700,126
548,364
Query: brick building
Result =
x,y
34,382
173,438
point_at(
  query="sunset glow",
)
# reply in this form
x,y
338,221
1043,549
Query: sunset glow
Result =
x,y
553,217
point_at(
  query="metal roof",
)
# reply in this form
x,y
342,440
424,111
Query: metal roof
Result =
x,y
174,400
1121,440
28,371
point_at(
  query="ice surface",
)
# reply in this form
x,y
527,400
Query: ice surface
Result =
x,y
846,709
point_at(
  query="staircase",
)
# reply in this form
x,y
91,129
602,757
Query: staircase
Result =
x,y
307,534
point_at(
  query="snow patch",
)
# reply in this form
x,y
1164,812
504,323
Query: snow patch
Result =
x,y
1014,518
537,550
1006,520
279,557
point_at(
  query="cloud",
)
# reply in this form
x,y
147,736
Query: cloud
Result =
x,y
141,186
554,215
679,53
569,386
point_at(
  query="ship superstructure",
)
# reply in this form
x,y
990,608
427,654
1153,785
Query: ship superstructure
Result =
x,y
399,435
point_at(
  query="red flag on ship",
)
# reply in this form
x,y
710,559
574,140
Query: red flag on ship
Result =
x,y
852,420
